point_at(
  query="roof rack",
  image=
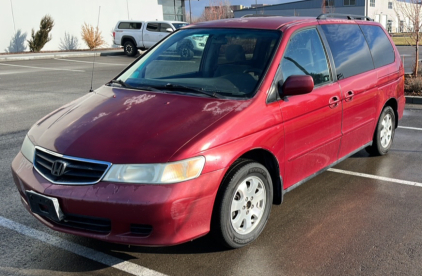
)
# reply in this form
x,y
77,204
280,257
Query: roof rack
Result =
x,y
260,15
341,15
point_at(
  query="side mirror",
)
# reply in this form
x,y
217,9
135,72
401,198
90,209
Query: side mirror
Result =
x,y
296,85
169,30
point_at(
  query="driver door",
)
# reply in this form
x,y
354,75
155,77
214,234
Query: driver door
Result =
x,y
312,122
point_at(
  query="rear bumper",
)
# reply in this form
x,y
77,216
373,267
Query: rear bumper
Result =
x,y
176,212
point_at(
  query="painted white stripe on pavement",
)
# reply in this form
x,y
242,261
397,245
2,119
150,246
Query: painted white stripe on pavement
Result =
x,y
77,249
404,182
42,68
414,128
90,62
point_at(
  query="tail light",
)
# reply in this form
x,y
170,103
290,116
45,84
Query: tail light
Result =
x,y
114,34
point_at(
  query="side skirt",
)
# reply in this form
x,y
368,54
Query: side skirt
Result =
x,y
326,168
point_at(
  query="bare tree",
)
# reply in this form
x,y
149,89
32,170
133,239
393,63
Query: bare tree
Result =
x,y
17,43
327,6
411,10
217,9
69,42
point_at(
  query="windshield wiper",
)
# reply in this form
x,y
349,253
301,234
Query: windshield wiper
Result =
x,y
122,83
125,85
172,87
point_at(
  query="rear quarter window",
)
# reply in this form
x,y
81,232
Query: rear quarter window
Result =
x,y
381,49
349,48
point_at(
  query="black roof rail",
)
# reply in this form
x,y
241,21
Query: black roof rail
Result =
x,y
260,15
341,15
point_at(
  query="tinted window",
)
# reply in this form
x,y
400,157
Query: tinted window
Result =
x,y
179,25
130,25
152,27
350,50
381,49
124,25
164,26
136,26
305,55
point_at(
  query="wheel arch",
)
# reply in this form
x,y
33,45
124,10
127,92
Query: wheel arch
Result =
x,y
270,162
128,38
394,105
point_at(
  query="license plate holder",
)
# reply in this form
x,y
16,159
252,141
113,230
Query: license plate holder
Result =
x,y
45,206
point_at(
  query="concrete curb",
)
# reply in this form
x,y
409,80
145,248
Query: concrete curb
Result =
x,y
60,55
413,100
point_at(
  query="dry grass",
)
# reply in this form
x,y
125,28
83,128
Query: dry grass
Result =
x,y
92,36
403,39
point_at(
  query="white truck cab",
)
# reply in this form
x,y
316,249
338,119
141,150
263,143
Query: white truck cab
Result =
x,y
134,34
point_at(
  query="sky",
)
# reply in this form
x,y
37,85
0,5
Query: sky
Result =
x,y
199,5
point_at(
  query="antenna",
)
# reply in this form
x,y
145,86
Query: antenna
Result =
x,y
93,62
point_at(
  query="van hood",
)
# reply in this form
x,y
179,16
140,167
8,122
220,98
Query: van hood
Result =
x,y
128,126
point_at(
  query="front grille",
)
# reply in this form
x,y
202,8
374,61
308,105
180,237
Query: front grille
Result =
x,y
77,171
86,223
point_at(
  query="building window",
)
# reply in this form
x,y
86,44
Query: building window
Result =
x,y
329,3
390,26
173,9
349,2
372,3
390,5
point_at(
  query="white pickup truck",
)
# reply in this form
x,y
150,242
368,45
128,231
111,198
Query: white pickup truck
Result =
x,y
134,35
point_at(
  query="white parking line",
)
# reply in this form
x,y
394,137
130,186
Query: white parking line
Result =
x,y
90,62
80,250
413,128
43,68
404,182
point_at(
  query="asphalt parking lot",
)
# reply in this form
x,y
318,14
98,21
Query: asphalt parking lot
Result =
x,y
363,217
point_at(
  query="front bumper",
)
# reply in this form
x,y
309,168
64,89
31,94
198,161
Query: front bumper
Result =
x,y
175,212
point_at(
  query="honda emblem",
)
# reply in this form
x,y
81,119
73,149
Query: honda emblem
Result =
x,y
58,168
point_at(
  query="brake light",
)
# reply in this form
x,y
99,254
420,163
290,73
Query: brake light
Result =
x,y
114,34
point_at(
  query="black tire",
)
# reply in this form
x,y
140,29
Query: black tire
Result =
x,y
384,133
185,50
130,49
237,228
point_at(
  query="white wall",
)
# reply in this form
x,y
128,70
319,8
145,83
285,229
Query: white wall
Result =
x,y
70,15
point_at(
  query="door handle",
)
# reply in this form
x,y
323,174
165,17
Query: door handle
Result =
x,y
333,102
349,96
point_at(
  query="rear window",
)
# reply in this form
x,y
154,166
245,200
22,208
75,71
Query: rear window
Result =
x,y
130,25
381,49
350,50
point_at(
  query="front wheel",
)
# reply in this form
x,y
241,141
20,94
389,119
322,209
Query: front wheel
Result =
x,y
384,133
243,204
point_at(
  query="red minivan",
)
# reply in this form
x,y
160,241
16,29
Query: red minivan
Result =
x,y
174,148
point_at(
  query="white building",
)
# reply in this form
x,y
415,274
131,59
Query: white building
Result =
x,y
382,11
70,15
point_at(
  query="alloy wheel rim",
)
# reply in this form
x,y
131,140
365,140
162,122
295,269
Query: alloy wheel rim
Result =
x,y
386,130
248,205
129,49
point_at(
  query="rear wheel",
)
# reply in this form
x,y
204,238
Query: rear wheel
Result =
x,y
130,49
243,204
384,133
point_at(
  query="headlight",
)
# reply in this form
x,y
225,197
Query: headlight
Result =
x,y
28,149
157,173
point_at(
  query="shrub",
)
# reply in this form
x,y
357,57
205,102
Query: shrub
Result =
x,y
413,84
92,37
17,43
69,42
41,37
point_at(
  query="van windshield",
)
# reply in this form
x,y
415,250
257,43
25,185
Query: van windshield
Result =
x,y
229,63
